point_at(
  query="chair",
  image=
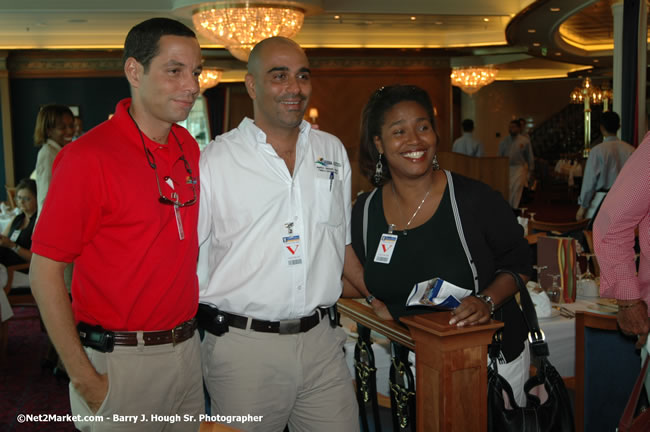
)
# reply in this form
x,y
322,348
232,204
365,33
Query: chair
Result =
x,y
556,227
607,365
17,288
11,195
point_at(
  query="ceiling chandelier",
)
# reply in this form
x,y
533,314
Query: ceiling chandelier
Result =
x,y
209,78
587,95
472,79
239,26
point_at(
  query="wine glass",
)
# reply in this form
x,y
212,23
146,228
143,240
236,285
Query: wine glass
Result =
x,y
539,270
587,275
554,292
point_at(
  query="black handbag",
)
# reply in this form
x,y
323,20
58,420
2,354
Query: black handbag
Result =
x,y
548,404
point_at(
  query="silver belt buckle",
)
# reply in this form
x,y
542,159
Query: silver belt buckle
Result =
x,y
291,326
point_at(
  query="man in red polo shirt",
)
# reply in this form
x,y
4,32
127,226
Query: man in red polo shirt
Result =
x,y
123,207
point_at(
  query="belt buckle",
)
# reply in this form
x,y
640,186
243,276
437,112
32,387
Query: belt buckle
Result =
x,y
291,326
174,336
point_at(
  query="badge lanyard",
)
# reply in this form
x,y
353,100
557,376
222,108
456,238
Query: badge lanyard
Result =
x,y
386,246
291,246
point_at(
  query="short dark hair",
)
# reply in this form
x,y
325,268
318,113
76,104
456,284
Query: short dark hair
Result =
x,y
143,40
468,125
610,121
28,184
372,120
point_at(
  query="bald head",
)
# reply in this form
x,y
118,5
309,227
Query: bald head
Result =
x,y
270,43
279,83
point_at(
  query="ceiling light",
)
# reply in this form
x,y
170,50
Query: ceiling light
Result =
x,y
536,44
486,19
239,26
337,16
472,79
532,31
413,18
555,9
209,78
438,23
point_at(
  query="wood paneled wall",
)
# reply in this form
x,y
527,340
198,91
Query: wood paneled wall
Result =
x,y
341,94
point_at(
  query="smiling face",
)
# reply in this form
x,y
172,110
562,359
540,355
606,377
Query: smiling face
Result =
x,y
279,84
63,130
408,140
165,93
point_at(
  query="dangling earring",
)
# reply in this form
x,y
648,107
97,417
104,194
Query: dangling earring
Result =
x,y
434,163
379,171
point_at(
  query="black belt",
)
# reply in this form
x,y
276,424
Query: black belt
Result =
x,y
292,326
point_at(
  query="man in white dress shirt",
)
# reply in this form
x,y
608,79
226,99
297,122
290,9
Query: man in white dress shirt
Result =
x,y
273,229
605,162
518,149
467,144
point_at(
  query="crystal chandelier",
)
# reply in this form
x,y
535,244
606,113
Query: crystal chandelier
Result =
x,y
209,78
239,26
472,79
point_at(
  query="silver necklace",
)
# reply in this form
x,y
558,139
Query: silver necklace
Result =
x,y
392,185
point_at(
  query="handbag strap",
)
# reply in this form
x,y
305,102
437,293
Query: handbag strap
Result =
x,y
536,337
365,221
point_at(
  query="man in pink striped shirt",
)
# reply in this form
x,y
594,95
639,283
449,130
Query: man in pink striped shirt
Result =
x,y
626,208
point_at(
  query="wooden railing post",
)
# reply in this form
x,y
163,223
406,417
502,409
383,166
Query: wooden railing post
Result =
x,y
451,373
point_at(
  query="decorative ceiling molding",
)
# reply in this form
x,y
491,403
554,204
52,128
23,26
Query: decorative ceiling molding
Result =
x,y
64,64
377,62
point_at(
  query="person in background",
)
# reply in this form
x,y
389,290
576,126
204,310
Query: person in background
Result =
x,y
522,127
439,228
272,254
78,127
467,144
124,207
603,165
625,210
54,130
16,240
518,150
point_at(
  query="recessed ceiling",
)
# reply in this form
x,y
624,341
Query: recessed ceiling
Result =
x,y
473,28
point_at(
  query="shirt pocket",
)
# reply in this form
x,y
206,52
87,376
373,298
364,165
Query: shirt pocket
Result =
x,y
329,201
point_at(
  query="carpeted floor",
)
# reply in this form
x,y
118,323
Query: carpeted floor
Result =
x,y
26,387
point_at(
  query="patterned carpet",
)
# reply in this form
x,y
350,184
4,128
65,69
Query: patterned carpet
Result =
x,y
26,387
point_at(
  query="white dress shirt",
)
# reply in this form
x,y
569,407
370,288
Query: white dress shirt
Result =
x,y
248,200
468,145
603,165
43,171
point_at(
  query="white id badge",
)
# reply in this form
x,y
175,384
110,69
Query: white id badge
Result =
x,y
292,249
14,236
386,248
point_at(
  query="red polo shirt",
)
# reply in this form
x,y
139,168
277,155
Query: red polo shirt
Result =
x,y
132,271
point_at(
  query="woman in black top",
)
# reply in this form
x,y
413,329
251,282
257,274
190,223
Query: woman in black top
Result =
x,y
423,222
16,240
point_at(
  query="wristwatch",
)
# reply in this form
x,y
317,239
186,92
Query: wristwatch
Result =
x,y
15,248
370,299
488,300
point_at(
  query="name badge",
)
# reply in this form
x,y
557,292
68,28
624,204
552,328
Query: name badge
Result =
x,y
292,250
386,248
14,236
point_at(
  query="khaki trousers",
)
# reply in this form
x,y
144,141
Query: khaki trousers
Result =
x,y
301,380
158,387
